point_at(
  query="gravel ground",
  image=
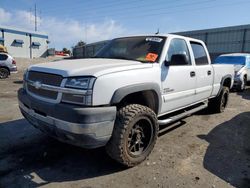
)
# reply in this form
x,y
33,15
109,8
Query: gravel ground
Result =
x,y
203,150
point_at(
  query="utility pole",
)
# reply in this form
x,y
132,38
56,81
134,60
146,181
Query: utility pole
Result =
x,y
35,19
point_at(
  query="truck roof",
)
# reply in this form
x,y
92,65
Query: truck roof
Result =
x,y
163,35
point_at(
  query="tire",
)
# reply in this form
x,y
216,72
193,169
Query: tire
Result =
x,y
242,87
134,135
219,103
4,73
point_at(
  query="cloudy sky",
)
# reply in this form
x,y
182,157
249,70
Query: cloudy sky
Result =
x,y
67,22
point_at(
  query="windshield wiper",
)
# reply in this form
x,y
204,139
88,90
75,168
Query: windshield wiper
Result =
x,y
121,57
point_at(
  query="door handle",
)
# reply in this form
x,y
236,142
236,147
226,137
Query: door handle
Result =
x,y
192,73
209,72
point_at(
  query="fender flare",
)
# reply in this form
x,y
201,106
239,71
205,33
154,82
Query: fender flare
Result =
x,y
120,93
223,80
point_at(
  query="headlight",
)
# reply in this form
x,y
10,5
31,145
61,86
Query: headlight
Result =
x,y
237,75
80,82
84,83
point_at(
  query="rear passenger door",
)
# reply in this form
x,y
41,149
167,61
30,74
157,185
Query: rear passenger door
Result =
x,y
204,71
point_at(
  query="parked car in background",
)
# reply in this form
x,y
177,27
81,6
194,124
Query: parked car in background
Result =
x,y
241,64
7,65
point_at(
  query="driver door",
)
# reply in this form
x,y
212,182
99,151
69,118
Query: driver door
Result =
x,y
178,81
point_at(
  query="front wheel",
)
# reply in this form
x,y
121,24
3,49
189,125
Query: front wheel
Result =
x,y
134,135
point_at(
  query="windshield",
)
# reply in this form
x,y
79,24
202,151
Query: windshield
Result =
x,y
233,60
143,49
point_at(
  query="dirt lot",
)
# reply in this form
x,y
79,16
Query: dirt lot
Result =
x,y
204,150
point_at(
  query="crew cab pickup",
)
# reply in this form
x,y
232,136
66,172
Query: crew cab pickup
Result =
x,y
121,96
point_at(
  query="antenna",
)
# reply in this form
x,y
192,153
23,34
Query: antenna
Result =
x,y
158,31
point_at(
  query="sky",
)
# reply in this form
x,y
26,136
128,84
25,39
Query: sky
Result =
x,y
67,22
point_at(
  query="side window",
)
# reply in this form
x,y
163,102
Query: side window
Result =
x,y
3,57
178,47
199,53
248,62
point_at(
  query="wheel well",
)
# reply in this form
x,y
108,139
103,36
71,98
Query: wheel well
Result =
x,y
227,82
147,98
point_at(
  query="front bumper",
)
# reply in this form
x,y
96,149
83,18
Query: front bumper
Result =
x,y
13,69
86,127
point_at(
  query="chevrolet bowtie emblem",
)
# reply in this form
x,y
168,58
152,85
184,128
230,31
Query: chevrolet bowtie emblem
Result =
x,y
37,85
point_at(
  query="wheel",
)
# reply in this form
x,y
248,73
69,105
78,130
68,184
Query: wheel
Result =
x,y
243,85
4,73
219,103
134,135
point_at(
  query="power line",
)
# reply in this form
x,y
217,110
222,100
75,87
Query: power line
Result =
x,y
122,15
107,5
142,16
193,9
78,15
149,10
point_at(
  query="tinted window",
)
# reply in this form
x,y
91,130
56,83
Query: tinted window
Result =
x,y
199,54
3,57
143,49
248,63
233,60
177,46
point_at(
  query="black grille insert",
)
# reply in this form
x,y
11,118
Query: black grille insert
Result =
x,y
44,78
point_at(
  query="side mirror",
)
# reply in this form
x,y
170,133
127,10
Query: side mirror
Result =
x,y
177,59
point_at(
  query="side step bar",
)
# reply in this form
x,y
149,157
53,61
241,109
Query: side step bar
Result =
x,y
182,115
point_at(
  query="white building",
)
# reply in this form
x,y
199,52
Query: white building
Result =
x,y
22,43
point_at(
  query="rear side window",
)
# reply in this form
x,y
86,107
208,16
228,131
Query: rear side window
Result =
x,y
199,53
3,57
248,63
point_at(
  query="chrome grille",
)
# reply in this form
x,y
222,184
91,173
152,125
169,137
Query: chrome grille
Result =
x,y
44,78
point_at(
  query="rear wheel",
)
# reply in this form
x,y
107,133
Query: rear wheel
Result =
x,y
4,73
219,103
134,135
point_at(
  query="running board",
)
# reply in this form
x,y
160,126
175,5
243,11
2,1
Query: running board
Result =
x,y
182,115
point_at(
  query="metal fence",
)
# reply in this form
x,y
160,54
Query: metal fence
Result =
x,y
88,50
234,39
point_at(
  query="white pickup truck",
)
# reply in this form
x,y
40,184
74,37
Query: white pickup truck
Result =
x,y
119,98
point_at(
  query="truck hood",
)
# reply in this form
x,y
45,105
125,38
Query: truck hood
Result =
x,y
88,67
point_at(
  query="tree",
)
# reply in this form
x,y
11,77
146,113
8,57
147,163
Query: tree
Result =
x,y
80,43
66,51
